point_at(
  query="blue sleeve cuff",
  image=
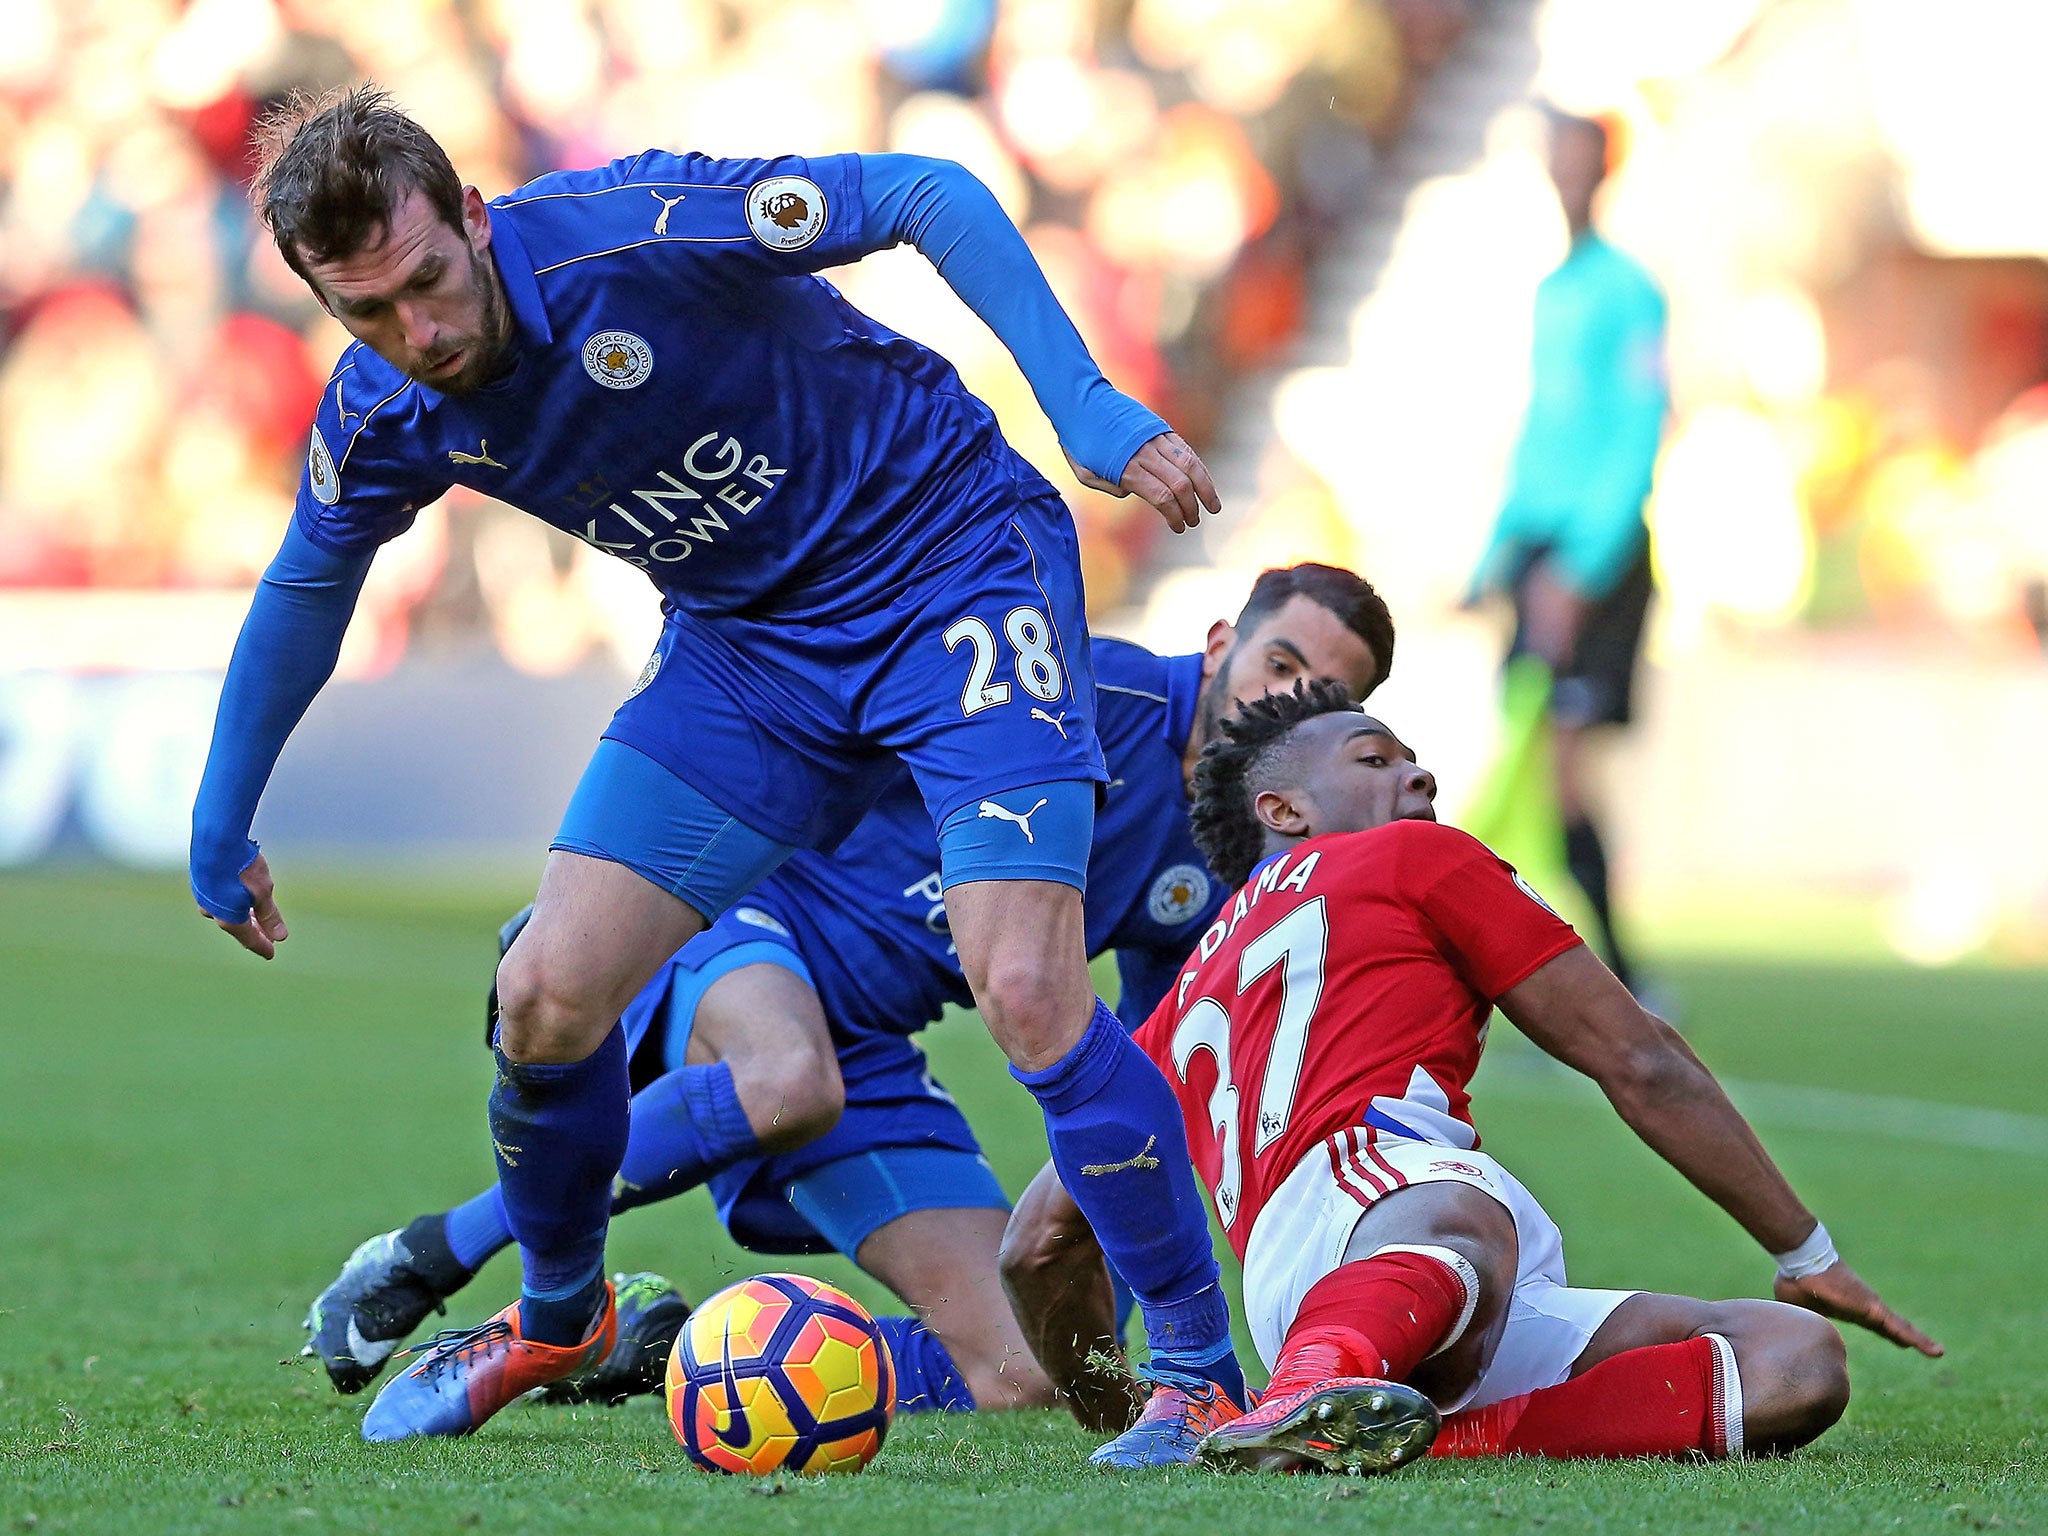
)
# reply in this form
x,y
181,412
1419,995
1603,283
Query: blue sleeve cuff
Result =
x,y
239,910
955,221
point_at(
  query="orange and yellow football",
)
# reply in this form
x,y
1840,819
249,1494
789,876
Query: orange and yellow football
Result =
x,y
781,1372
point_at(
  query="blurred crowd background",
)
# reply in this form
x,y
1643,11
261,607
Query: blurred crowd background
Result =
x,y
1177,165
1307,231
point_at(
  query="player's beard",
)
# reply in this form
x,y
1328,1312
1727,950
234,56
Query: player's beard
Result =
x,y
486,360
1215,701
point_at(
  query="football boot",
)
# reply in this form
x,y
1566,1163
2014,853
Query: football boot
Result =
x,y
464,1375
651,1313
382,1294
1354,1424
1183,1409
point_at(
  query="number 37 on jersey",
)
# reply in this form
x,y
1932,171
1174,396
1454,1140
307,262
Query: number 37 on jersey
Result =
x,y
1296,948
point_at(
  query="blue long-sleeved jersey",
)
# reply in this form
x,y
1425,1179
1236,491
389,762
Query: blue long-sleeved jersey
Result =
x,y
685,395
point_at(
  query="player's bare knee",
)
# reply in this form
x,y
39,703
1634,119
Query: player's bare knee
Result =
x,y
1794,1370
540,1018
1020,998
1032,1246
1812,1373
1024,1253
792,1096
1012,986
1046,1232
1465,1220
1829,1365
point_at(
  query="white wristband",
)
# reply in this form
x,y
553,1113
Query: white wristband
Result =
x,y
1810,1257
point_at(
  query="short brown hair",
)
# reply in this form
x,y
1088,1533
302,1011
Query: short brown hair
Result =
x,y
330,170
1346,594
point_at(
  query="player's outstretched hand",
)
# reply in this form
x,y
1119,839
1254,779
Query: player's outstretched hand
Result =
x,y
1839,1292
263,929
1167,473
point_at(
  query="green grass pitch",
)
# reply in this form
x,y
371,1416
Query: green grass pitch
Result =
x,y
190,1142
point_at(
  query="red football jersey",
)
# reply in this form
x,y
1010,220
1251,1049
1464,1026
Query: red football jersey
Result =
x,y
1349,983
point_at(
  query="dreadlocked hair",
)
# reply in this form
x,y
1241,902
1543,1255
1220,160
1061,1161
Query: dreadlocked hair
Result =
x,y
1236,767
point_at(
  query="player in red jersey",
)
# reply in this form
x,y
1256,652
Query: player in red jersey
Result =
x,y
1321,1040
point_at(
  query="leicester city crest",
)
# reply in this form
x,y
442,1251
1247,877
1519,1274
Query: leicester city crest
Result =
x,y
618,359
1178,894
646,675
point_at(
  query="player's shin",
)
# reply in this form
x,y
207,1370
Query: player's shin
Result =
x,y
559,1130
687,1125
1121,1149
1380,1316
1661,1400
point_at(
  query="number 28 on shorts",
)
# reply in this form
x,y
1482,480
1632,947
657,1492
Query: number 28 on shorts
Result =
x,y
1031,640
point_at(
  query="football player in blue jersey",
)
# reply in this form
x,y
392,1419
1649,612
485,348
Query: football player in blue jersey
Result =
x,y
858,574
772,1056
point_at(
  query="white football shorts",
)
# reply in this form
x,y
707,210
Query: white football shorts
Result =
x,y
1302,1233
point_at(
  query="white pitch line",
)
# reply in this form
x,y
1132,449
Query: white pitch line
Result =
x,y
1810,1109
1870,1114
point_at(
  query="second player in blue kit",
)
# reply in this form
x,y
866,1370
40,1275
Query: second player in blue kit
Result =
x,y
812,1143
857,573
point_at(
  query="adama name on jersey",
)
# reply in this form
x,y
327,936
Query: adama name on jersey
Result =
x,y
1272,876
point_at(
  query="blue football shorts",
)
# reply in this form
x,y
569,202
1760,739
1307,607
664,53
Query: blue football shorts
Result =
x,y
629,809
978,678
901,1145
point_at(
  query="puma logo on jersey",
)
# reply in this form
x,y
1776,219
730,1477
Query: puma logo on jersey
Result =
x,y
1142,1161
668,205
481,456
1059,725
1001,813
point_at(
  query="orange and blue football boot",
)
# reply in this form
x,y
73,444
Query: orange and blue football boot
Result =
x,y
1185,1407
1353,1424
651,1313
464,1375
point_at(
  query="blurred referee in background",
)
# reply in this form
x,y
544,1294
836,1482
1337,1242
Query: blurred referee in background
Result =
x,y
1570,545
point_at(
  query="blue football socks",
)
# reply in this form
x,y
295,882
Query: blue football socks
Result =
x,y
687,1126
559,1130
478,1228
1126,1303
927,1381
1122,1152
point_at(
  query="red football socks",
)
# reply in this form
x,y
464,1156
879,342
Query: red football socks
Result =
x,y
1661,1400
1380,1316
